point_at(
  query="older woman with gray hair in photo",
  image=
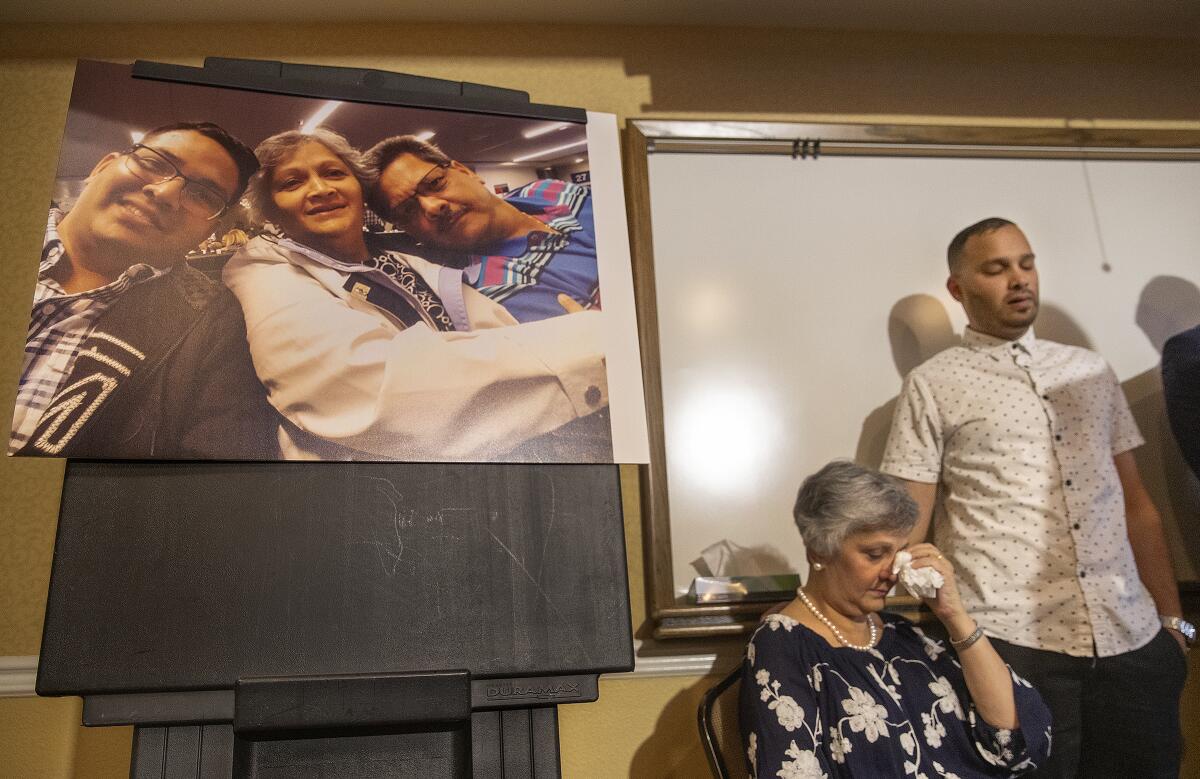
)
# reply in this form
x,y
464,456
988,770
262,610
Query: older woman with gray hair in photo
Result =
x,y
832,687
369,353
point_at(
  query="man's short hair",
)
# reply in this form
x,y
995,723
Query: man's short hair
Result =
x,y
382,154
242,156
954,252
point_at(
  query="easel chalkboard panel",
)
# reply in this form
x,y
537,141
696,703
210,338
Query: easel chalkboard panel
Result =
x,y
177,576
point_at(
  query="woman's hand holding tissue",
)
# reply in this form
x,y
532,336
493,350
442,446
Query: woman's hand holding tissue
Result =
x,y
923,569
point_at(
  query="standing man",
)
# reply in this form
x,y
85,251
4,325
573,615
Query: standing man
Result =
x,y
1058,547
131,353
523,250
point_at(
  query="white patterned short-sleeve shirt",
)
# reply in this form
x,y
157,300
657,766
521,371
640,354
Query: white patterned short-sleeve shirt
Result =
x,y
1021,435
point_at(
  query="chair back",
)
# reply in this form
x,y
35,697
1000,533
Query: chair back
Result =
x,y
719,730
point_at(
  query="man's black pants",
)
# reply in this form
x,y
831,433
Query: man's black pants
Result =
x,y
1113,716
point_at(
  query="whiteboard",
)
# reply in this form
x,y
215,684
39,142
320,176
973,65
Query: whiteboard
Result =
x,y
793,295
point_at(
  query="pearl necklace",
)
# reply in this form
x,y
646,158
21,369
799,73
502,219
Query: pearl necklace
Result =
x,y
837,633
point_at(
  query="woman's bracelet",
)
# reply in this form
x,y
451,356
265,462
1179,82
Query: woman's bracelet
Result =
x,y
965,643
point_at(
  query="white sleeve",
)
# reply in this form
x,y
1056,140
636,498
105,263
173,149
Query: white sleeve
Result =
x,y
914,445
353,378
1124,434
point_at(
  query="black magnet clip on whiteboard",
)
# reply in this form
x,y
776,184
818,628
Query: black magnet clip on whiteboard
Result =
x,y
804,148
357,84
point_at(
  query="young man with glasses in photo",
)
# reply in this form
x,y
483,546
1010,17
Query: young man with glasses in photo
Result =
x,y
525,250
130,352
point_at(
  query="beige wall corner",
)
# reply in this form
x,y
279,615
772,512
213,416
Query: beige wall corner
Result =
x,y
638,728
38,737
103,753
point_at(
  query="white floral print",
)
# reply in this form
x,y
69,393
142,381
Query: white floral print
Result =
x,y
942,772
791,716
788,712
902,710
1001,754
932,648
947,698
866,716
777,621
888,688
839,745
803,765
934,730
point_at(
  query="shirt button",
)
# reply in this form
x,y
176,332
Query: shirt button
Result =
x,y
1057,437
1083,574
1076,526
592,396
1045,397
1067,482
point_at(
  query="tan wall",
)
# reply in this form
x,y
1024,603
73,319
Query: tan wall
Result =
x,y
640,727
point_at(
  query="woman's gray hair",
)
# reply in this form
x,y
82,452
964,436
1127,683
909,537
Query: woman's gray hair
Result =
x,y
277,149
842,499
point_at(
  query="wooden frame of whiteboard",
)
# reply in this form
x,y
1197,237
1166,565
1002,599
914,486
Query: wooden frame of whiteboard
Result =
x,y
671,617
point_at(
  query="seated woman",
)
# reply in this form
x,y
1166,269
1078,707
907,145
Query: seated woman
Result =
x,y
373,354
832,688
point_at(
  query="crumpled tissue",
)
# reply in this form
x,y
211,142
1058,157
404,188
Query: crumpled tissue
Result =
x,y
922,582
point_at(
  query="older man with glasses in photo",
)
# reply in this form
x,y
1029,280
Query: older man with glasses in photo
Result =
x,y
131,353
533,250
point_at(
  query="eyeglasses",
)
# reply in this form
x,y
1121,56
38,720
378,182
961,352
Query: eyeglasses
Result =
x,y
432,182
149,165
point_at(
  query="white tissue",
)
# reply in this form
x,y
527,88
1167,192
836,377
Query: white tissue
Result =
x,y
725,558
922,582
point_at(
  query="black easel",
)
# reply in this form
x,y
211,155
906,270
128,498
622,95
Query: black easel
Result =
x,y
424,617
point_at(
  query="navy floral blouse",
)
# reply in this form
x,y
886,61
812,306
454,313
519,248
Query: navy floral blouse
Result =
x,y
810,710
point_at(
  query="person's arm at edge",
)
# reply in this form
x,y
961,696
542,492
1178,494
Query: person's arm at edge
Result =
x,y
914,449
924,493
1150,552
987,677
985,673
1181,391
